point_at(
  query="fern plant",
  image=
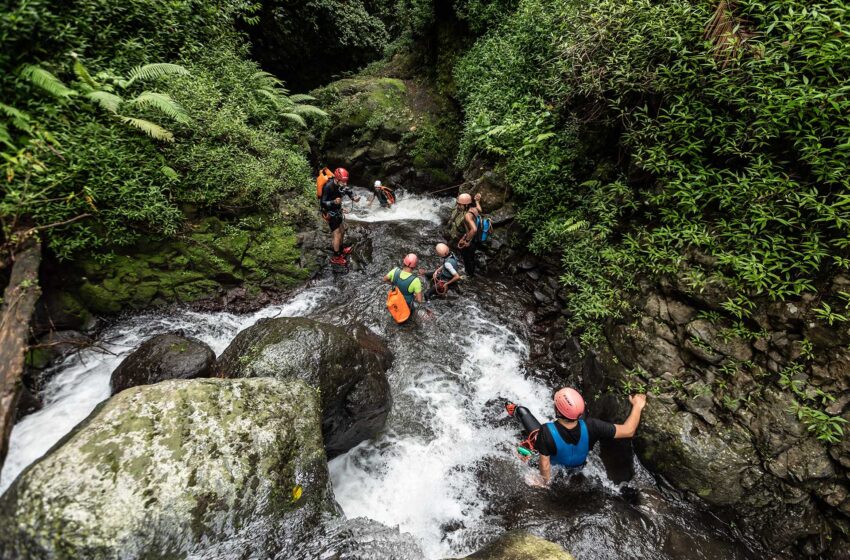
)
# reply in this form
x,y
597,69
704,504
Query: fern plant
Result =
x,y
105,91
291,107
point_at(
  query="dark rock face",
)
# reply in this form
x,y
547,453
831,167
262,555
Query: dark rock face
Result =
x,y
348,368
728,417
165,356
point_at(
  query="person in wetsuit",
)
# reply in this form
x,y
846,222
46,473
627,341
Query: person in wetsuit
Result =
x,y
568,440
446,274
383,194
463,229
332,210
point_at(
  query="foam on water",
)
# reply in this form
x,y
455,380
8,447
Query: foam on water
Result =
x,y
408,206
425,483
82,380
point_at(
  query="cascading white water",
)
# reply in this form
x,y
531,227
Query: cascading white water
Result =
x,y
81,382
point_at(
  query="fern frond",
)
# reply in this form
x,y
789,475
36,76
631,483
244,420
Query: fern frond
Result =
x,y
83,74
106,100
308,110
43,79
6,137
301,98
154,71
294,118
151,129
271,95
14,113
163,103
266,79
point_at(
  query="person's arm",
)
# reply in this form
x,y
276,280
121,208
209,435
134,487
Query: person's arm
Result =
x,y
389,276
370,200
628,428
455,276
545,468
478,202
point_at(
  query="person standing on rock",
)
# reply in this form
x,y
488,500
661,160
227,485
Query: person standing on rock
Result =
x,y
568,440
333,212
446,274
462,228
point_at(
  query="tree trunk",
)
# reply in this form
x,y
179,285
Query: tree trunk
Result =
x,y
18,303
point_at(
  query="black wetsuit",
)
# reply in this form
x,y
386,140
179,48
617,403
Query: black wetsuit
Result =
x,y
330,208
596,430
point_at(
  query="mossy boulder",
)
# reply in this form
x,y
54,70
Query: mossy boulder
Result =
x,y
201,468
212,257
400,131
162,357
518,545
348,367
60,310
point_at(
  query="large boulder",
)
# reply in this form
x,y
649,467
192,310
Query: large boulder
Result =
x,y
348,368
518,545
165,356
203,468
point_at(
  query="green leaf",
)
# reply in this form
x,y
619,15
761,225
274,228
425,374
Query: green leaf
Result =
x,y
151,129
46,81
154,71
163,103
108,101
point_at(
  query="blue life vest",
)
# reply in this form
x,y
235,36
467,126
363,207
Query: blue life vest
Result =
x,y
484,227
404,286
568,454
452,260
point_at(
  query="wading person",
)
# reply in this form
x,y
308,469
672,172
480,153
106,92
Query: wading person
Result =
x,y
462,228
332,192
407,290
446,274
385,195
568,440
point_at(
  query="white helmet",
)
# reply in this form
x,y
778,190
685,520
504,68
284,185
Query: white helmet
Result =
x,y
377,184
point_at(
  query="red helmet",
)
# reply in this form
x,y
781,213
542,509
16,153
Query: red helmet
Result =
x,y
341,175
411,260
569,403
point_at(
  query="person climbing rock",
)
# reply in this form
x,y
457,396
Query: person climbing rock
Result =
x,y
446,275
568,440
332,193
384,194
462,228
408,282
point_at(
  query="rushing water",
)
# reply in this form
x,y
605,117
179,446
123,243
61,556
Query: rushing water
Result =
x,y
443,469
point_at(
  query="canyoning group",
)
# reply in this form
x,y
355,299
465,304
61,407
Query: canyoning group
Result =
x,y
565,442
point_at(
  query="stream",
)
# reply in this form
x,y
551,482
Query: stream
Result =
x,y
443,470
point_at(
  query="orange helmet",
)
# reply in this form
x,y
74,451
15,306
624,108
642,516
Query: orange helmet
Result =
x,y
569,403
410,260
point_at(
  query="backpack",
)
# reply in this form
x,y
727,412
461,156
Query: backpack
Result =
x,y
485,229
388,193
397,303
325,175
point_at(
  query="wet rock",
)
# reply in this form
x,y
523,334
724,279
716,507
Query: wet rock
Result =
x,y
347,368
805,461
28,403
707,342
519,545
361,538
713,464
206,468
165,356
60,310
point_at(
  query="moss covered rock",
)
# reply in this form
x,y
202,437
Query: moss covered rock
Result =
x,y
212,257
518,545
206,467
400,131
348,368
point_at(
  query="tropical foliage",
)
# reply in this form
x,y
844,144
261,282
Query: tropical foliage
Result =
x,y
702,139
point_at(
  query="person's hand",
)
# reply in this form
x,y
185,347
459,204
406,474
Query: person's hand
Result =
x,y
638,401
337,200
356,199
477,197
462,243
535,479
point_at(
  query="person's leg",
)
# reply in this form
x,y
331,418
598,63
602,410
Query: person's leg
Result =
x,y
337,239
468,255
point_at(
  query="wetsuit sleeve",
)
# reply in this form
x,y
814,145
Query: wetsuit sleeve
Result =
x,y
599,430
544,444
